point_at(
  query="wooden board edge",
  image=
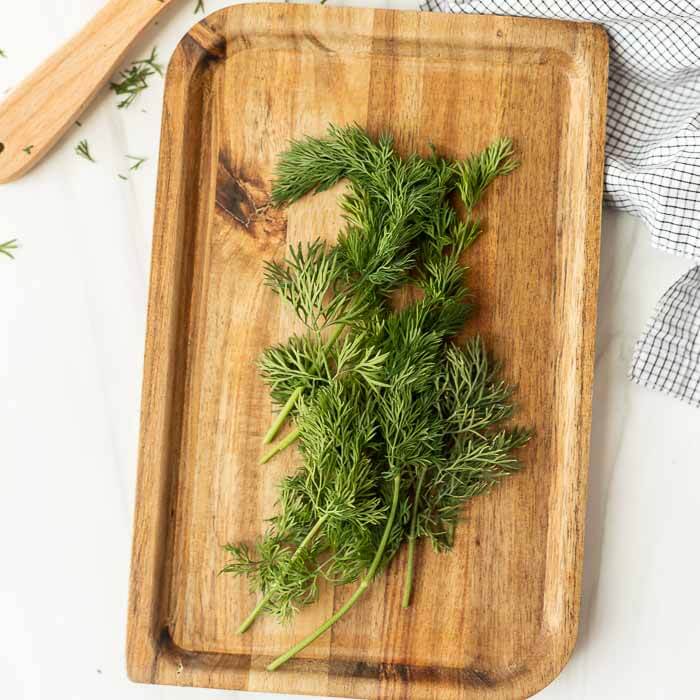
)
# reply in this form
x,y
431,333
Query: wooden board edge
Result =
x,y
144,644
593,54
241,15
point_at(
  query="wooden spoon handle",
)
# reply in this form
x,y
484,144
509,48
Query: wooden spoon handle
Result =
x,y
40,110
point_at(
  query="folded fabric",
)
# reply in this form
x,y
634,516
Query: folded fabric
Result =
x,y
652,166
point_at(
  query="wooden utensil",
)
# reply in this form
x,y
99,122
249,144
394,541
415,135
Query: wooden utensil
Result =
x,y
497,617
40,110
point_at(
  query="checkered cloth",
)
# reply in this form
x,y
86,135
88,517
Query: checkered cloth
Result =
x,y
652,166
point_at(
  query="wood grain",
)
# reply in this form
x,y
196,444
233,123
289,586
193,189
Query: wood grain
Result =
x,y
497,618
47,103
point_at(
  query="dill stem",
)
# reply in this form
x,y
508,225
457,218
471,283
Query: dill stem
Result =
x,y
408,581
364,584
282,416
283,444
265,599
296,394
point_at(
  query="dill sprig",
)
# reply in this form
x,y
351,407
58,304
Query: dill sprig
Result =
x,y
397,424
137,162
2,54
199,7
7,247
395,209
389,202
83,150
134,80
476,173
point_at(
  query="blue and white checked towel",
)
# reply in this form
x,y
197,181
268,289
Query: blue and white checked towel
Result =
x,y
652,166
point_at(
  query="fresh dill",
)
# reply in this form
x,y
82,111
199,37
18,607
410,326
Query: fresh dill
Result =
x,y
83,150
137,162
28,149
479,171
2,54
134,80
7,247
397,424
199,7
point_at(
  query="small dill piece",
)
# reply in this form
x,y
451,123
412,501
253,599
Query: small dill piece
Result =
x,y
475,174
151,62
28,149
2,54
78,123
83,150
134,80
199,7
7,247
137,162
122,177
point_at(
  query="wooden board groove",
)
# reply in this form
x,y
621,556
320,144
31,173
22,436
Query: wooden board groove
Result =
x,y
498,617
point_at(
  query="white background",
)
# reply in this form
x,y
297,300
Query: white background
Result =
x,y
72,318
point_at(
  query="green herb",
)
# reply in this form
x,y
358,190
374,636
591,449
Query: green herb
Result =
x,y
374,255
137,162
77,123
398,425
28,149
479,171
134,80
199,7
83,150
7,247
2,54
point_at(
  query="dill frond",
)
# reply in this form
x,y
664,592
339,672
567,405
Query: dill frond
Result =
x,y
475,174
134,80
137,162
7,247
83,150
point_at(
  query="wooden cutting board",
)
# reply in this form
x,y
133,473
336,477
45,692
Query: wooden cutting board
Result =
x,y
497,618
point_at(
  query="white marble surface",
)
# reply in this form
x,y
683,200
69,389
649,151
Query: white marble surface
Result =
x,y
72,321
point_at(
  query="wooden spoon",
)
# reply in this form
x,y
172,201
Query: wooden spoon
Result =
x,y
40,110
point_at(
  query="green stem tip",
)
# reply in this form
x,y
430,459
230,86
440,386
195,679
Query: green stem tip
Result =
x,y
283,444
282,416
408,580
